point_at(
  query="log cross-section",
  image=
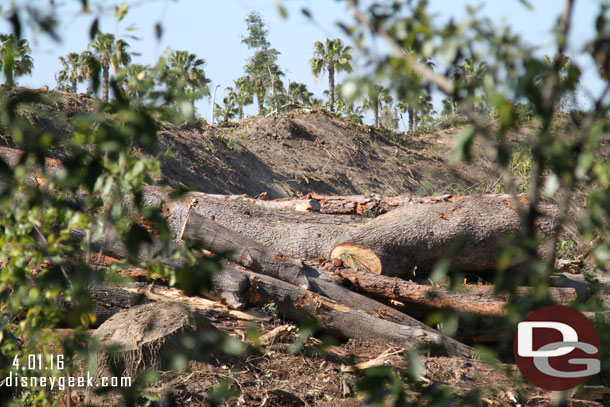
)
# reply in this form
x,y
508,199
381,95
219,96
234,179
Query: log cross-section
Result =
x,y
419,236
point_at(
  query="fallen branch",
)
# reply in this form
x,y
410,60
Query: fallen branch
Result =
x,y
472,298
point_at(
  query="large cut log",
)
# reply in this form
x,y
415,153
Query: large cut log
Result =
x,y
419,236
246,252
347,317
477,299
416,235
296,234
107,301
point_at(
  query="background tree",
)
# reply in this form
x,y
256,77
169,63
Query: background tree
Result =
x,y
388,118
376,96
109,52
187,68
245,94
230,108
67,77
88,70
15,58
262,70
298,93
333,57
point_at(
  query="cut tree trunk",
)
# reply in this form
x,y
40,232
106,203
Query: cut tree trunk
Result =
x,y
295,234
471,298
346,317
416,237
246,252
107,301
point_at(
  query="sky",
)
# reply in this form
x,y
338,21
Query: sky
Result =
x,y
213,31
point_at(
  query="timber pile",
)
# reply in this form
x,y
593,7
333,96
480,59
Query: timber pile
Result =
x,y
344,261
356,293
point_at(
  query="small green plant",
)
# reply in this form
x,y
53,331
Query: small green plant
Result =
x,y
565,249
521,166
271,310
367,213
212,150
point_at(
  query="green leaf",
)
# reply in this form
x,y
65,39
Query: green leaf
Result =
x,y
158,31
282,10
94,29
120,11
463,145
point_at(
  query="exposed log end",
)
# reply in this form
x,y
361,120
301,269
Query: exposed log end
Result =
x,y
357,257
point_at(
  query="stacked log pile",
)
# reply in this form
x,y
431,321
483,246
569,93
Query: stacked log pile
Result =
x,y
344,261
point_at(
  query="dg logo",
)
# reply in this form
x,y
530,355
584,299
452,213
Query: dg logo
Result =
x,y
556,348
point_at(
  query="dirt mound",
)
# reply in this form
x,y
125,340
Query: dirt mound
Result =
x,y
291,154
302,151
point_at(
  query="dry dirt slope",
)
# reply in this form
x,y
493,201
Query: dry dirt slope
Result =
x,y
303,151
297,152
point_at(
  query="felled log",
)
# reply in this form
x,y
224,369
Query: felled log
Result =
x,y
296,234
472,298
344,317
107,301
418,236
246,252
363,205
415,235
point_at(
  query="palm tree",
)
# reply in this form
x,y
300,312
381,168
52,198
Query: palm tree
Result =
x,y
231,105
299,93
88,69
332,58
68,77
245,94
110,53
15,58
377,95
187,70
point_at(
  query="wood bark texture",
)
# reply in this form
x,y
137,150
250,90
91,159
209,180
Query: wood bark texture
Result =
x,y
470,298
419,236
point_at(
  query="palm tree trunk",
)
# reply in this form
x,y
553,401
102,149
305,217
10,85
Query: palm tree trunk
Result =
x,y
331,86
105,74
74,85
411,113
376,110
